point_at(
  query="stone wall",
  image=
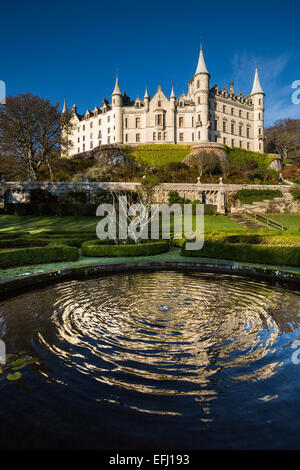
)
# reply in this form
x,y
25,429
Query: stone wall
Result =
x,y
19,192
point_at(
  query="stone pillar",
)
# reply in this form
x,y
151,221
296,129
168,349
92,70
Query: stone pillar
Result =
x,y
221,199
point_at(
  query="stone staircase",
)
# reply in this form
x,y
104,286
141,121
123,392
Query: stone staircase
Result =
x,y
248,222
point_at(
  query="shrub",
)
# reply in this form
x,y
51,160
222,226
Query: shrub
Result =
x,y
247,196
9,235
278,255
295,191
29,256
42,196
99,249
174,198
75,197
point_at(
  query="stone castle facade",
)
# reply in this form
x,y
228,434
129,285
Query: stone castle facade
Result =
x,y
203,115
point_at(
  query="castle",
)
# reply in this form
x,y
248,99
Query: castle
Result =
x,y
203,117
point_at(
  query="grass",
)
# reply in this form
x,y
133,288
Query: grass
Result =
x,y
290,221
157,154
15,223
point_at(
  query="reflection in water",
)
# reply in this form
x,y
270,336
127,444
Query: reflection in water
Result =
x,y
164,343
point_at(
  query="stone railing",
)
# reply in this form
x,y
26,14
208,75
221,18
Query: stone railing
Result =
x,y
19,192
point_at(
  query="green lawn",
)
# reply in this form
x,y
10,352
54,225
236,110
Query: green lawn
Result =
x,y
38,224
290,221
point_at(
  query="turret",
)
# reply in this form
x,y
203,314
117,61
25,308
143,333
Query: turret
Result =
x,y
173,114
257,96
201,91
146,100
117,100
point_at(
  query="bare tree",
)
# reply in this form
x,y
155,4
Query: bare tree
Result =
x,y
207,163
284,137
30,131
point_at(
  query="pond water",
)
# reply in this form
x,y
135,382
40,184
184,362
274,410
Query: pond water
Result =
x,y
154,360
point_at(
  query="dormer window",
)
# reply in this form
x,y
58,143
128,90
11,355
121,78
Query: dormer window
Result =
x,y
181,104
159,104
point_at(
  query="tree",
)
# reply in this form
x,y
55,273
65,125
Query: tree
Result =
x,y
30,132
207,162
283,137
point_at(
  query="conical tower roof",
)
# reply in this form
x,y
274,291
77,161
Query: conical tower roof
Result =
x,y
146,94
117,90
201,67
256,84
172,93
64,110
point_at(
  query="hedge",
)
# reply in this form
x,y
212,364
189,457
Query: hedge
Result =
x,y
99,249
247,196
269,238
277,255
29,256
9,235
34,241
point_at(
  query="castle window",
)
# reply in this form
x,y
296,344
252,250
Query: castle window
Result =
x,y
78,129
232,142
99,142
241,144
108,118
259,101
224,109
91,145
224,126
180,122
137,137
259,131
91,124
83,147
181,137
154,135
159,104
232,128
165,136
198,83
78,150
126,137
248,146
193,137
78,140
108,130
159,119
240,113
83,138
83,128
241,130
99,122
193,121
232,111
100,135
199,135
91,136
259,116
198,99
216,124
181,104
108,140
159,136
138,122
224,140
259,146
248,132
126,123
247,115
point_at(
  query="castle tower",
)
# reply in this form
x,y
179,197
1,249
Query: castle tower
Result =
x,y
201,90
117,102
257,96
173,114
146,100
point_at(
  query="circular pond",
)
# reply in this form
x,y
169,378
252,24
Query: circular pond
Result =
x,y
151,360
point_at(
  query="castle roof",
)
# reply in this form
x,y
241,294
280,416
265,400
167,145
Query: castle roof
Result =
x,y
117,90
201,67
256,84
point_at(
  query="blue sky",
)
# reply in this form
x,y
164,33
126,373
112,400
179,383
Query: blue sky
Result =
x,y
73,48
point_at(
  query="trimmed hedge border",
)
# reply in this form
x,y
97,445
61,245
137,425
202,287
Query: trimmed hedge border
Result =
x,y
264,254
107,248
282,238
37,255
